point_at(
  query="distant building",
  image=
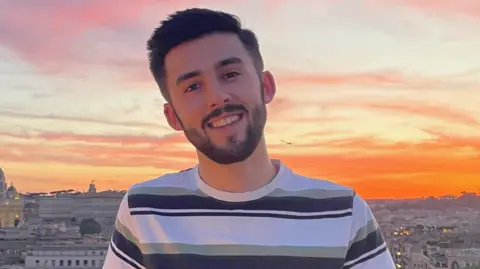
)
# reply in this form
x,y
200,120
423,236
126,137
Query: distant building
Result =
x,y
92,188
11,204
60,256
92,204
13,242
54,207
413,249
462,252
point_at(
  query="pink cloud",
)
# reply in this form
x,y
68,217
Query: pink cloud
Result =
x,y
45,33
449,7
66,118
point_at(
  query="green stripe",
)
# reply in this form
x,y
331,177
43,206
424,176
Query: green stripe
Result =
x,y
126,232
164,191
243,250
362,233
308,193
312,193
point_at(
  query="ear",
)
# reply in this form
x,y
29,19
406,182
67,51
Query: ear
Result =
x,y
171,117
269,87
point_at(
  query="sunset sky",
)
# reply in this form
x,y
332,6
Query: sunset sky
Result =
x,y
380,95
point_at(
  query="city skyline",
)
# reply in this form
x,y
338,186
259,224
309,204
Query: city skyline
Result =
x,y
384,94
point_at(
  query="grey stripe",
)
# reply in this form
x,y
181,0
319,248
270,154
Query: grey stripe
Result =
x,y
312,193
243,250
308,193
125,232
165,191
362,233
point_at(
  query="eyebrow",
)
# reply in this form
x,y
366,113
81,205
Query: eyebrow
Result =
x,y
228,61
220,64
186,76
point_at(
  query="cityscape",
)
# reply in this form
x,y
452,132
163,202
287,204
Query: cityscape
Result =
x,y
65,228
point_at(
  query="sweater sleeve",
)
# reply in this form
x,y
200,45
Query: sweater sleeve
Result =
x,y
367,248
123,251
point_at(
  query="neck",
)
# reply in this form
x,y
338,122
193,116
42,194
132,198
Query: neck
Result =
x,y
249,175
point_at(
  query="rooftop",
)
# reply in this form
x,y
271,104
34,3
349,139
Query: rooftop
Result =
x,y
68,247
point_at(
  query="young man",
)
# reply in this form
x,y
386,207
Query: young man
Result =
x,y
237,208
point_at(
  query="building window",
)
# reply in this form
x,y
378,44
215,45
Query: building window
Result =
x,y
61,262
77,263
69,263
53,262
93,263
85,262
37,262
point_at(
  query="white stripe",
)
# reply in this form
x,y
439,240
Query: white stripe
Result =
x,y
126,256
289,213
366,254
243,230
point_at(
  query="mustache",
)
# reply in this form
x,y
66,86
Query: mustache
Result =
x,y
226,109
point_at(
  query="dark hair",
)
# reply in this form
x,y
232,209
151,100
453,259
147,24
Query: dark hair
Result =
x,y
191,24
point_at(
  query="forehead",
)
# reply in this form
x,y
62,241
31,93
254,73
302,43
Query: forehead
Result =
x,y
203,53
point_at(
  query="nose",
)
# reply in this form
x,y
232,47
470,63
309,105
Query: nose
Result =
x,y
217,96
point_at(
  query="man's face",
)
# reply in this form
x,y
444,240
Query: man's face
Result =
x,y
217,97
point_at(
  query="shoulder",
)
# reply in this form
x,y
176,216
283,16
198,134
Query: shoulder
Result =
x,y
167,184
316,188
326,190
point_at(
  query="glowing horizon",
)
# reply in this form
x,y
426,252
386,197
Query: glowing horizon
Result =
x,y
385,95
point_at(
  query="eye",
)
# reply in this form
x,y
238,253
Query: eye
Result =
x,y
192,87
230,75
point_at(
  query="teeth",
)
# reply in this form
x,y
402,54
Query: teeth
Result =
x,y
225,121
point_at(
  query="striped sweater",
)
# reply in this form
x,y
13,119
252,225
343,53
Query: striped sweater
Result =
x,y
178,221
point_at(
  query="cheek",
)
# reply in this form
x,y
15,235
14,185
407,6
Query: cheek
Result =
x,y
244,94
252,92
191,114
251,97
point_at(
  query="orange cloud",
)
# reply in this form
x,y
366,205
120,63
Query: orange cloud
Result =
x,y
416,108
391,78
444,164
96,150
379,78
376,168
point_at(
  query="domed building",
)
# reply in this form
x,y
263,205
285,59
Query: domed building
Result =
x,y
11,204
12,192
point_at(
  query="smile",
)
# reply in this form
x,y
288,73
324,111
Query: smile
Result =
x,y
225,121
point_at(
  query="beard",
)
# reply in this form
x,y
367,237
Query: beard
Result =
x,y
236,150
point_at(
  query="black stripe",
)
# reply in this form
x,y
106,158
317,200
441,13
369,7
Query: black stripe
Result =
x,y
239,214
191,261
123,258
292,204
364,259
369,243
127,247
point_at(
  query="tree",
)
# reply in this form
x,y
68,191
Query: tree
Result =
x,y
90,226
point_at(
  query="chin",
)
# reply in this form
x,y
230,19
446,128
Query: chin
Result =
x,y
229,159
